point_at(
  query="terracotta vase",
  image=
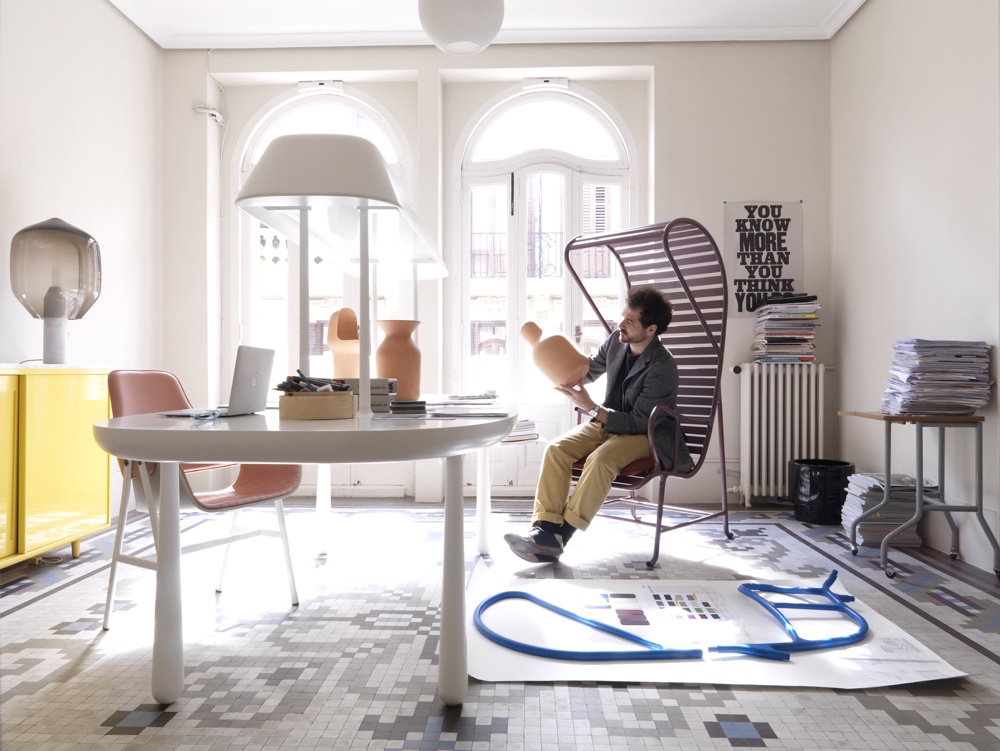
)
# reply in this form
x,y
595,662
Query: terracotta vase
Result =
x,y
398,357
342,339
555,356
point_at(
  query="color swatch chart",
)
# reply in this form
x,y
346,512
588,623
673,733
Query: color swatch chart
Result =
x,y
687,606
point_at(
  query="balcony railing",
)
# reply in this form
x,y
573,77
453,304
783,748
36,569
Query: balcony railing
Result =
x,y
545,254
544,257
489,254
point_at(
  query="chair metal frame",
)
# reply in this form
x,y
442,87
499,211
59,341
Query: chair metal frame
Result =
x,y
255,484
681,260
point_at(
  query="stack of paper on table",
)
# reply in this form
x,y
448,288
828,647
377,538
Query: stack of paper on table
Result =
x,y
867,490
785,331
937,377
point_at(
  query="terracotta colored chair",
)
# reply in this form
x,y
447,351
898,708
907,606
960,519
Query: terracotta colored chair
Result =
x,y
144,391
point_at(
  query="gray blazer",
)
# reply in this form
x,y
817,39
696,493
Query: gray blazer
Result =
x,y
652,381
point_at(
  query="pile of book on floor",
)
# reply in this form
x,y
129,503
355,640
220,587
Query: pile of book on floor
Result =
x,y
523,431
786,329
867,490
937,377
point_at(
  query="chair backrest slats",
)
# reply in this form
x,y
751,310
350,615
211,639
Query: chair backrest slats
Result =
x,y
680,259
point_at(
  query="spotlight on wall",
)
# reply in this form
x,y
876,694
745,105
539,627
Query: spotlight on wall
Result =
x,y
55,272
461,27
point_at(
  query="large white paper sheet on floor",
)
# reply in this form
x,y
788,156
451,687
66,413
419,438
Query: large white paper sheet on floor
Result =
x,y
682,614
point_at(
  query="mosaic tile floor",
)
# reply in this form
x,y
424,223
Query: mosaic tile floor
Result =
x,y
354,666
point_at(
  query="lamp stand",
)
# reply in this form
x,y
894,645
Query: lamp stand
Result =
x,y
365,334
302,324
54,338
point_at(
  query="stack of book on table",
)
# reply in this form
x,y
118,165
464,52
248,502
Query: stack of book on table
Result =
x,y
937,377
867,490
415,407
523,431
786,329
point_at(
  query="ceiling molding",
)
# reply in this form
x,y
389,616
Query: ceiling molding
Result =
x,y
264,24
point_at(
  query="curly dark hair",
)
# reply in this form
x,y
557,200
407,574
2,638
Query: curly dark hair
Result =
x,y
653,307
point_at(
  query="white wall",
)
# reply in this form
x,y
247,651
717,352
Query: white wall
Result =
x,y
915,194
80,139
743,122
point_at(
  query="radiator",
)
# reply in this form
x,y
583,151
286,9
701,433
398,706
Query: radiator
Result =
x,y
781,420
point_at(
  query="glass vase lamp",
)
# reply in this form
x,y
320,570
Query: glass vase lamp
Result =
x,y
55,272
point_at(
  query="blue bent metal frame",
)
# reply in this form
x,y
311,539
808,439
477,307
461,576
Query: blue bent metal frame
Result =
x,y
771,651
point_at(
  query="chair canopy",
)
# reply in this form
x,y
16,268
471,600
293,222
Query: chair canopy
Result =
x,y
680,259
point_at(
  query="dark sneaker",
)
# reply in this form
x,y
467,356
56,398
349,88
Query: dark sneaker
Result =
x,y
538,546
533,558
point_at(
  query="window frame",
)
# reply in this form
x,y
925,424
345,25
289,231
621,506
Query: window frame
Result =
x,y
241,300
472,173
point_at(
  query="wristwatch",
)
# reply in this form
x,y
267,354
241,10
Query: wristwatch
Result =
x,y
595,411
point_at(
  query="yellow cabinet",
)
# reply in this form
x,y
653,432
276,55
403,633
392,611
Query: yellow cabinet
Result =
x,y
58,489
8,469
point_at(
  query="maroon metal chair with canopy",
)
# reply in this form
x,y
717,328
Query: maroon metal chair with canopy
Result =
x,y
680,259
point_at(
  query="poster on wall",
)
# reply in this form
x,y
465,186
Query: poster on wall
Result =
x,y
762,243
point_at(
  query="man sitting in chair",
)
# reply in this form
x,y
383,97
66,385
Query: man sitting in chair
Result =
x,y
641,374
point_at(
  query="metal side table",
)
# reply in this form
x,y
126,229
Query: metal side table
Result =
x,y
921,422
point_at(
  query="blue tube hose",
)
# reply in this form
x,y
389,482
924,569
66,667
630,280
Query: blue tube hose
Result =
x,y
766,650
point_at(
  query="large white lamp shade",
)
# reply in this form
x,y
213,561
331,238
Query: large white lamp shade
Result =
x,y
312,170
461,27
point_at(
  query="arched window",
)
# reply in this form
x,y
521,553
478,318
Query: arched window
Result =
x,y
536,123
540,166
270,260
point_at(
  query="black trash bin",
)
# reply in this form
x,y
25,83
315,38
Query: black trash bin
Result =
x,y
818,488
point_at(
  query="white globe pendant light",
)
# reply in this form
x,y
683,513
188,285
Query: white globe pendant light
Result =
x,y
461,27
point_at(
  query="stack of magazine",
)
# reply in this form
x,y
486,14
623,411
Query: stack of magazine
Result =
x,y
867,490
524,431
786,329
937,377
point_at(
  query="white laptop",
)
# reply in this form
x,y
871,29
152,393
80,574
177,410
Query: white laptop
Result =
x,y
251,382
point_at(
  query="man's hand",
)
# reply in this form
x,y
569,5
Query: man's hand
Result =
x,y
578,395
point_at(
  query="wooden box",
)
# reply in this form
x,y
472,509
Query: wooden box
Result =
x,y
318,405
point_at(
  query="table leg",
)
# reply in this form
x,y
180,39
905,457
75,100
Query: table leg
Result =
x,y
453,671
483,500
943,497
323,507
979,500
918,510
168,634
887,463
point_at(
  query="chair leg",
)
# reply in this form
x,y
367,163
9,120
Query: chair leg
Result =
x,y
659,523
280,508
722,459
225,550
119,541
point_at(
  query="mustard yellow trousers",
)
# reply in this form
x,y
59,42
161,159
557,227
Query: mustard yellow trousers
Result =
x,y
606,455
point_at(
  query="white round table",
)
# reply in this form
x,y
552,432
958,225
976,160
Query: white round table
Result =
x,y
266,439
